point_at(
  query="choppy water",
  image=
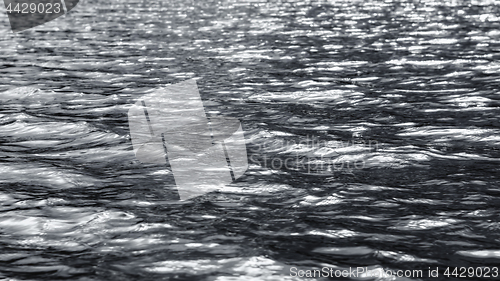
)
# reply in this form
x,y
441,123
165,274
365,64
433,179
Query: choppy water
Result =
x,y
406,91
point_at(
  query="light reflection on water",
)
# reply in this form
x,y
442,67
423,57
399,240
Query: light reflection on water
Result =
x,y
419,78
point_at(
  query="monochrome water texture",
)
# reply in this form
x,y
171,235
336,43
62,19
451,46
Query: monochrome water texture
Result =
x,y
419,78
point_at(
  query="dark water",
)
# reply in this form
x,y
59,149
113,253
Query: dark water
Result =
x,y
399,100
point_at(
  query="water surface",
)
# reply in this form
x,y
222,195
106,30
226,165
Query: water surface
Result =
x,y
404,90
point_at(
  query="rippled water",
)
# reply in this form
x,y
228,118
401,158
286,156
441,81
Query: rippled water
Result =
x,y
404,93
